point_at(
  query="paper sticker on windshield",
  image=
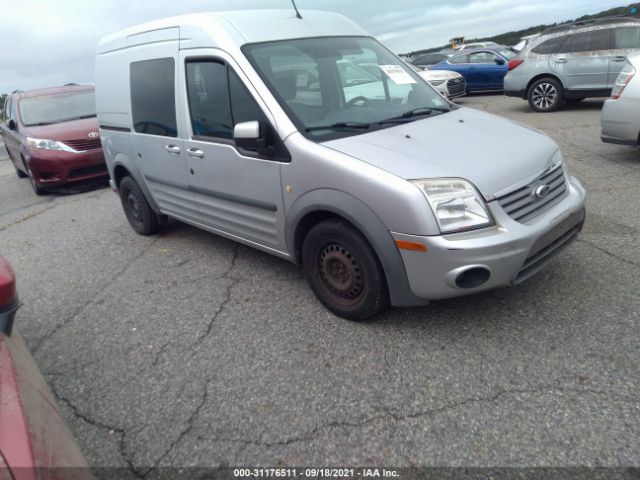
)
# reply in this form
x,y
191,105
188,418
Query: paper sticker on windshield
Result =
x,y
397,74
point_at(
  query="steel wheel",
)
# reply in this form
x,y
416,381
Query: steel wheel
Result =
x,y
344,271
341,273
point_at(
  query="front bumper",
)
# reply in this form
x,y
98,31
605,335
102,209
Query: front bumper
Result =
x,y
53,168
511,252
620,121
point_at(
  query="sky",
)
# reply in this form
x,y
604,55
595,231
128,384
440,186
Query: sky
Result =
x,y
45,43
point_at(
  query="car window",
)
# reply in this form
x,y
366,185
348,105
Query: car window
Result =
x,y
209,106
627,37
429,59
362,84
482,57
56,108
587,42
153,104
6,115
549,46
459,59
243,106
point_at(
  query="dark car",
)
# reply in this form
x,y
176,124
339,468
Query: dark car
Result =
x,y
483,69
35,442
428,59
52,135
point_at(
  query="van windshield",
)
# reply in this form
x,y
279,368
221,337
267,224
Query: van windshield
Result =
x,y
334,87
57,108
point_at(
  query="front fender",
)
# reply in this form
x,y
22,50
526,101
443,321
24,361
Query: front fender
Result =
x,y
369,224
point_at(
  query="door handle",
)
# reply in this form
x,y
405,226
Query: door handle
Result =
x,y
195,152
561,60
619,59
172,149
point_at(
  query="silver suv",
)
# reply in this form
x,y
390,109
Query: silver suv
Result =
x,y
569,63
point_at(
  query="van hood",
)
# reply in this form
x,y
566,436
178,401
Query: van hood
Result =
x,y
73,130
490,151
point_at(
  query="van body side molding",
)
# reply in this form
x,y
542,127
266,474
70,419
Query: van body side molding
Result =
x,y
271,207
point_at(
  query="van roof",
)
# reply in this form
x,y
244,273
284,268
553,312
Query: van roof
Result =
x,y
243,26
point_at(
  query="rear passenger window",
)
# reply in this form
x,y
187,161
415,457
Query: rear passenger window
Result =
x,y
627,37
209,105
549,46
153,103
588,42
482,57
459,59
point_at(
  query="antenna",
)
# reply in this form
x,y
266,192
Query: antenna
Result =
x,y
296,9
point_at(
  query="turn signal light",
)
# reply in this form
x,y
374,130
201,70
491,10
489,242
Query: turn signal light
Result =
x,y
417,247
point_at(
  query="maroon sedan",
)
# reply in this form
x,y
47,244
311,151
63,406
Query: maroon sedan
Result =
x,y
35,443
52,135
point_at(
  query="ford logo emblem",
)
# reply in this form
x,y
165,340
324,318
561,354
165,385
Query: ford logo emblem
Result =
x,y
93,134
541,191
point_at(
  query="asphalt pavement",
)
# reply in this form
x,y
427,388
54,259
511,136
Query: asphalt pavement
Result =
x,y
187,349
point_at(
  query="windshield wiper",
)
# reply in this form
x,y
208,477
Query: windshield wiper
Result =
x,y
340,126
416,112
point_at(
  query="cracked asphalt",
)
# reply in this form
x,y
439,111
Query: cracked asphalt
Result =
x,y
187,349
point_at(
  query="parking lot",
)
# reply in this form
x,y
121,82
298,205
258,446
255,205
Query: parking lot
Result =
x,y
188,349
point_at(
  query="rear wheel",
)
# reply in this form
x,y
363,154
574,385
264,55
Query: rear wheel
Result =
x,y
138,211
545,95
343,270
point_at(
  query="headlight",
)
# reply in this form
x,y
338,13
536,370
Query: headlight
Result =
x,y
44,144
456,204
436,83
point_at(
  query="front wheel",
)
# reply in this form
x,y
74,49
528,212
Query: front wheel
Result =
x,y
343,271
545,95
19,172
138,211
34,184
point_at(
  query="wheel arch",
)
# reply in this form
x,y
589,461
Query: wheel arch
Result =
x,y
541,76
319,205
122,168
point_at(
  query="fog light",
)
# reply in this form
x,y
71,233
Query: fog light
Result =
x,y
473,278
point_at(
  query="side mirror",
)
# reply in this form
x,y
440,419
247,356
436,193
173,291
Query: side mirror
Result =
x,y
246,131
11,124
499,61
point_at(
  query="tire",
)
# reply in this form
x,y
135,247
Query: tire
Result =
x,y
36,188
139,213
19,172
545,95
344,271
574,101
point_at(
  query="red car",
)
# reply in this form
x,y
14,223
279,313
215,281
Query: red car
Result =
x,y
52,135
35,443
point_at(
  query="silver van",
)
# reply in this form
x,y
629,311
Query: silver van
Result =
x,y
309,140
569,63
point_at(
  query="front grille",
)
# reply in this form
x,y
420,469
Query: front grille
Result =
x,y
456,87
535,262
84,145
81,172
522,204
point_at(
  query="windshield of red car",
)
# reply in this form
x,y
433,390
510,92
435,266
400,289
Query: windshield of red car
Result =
x,y
57,108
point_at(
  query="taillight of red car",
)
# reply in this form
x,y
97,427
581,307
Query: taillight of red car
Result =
x,y
515,63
